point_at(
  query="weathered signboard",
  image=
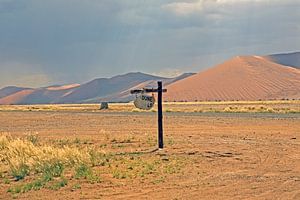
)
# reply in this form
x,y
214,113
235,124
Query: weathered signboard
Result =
x,y
144,101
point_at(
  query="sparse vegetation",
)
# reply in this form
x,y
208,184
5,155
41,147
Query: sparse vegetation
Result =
x,y
283,106
35,165
77,186
276,106
46,163
115,156
84,171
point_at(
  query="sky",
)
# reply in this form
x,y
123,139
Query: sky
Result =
x,y
46,42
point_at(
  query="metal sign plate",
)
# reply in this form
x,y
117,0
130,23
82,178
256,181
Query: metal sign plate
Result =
x,y
144,102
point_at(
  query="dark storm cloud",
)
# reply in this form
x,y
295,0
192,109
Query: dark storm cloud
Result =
x,y
63,41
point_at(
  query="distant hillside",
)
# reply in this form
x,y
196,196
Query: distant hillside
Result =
x,y
289,59
125,96
115,89
10,90
241,78
103,87
38,96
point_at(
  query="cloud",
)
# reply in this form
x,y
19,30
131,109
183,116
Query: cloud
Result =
x,y
184,8
75,41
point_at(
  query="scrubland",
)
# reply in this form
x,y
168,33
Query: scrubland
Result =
x,y
80,152
274,106
30,164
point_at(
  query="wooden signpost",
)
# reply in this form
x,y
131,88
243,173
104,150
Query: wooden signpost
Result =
x,y
159,91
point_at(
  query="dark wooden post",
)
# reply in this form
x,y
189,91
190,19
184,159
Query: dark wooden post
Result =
x,y
160,115
159,91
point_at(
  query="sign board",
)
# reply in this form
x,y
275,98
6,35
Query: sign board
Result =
x,y
144,101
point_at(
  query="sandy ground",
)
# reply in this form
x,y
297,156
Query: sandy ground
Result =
x,y
225,155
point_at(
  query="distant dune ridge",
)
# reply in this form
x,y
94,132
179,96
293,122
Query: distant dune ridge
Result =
x,y
10,90
115,89
240,78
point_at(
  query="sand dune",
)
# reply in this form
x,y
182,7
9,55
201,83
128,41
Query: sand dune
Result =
x,y
241,78
17,97
115,89
37,96
106,88
6,91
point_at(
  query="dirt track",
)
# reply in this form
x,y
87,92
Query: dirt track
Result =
x,y
227,156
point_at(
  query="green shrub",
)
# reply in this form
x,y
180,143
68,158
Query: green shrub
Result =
x,y
33,138
52,169
119,174
20,172
59,184
84,171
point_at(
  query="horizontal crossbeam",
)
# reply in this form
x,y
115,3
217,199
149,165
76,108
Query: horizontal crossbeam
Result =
x,y
146,90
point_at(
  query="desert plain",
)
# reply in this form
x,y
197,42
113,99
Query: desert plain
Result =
x,y
213,150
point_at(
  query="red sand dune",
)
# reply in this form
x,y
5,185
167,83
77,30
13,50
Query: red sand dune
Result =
x,y
115,89
241,78
16,97
38,95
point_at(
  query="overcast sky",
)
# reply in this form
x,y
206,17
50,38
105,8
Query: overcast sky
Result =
x,y
43,42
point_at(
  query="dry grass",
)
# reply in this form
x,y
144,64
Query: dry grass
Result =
x,y
22,158
276,106
283,106
17,153
30,164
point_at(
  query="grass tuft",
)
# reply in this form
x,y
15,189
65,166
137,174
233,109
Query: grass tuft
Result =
x,y
20,172
85,172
